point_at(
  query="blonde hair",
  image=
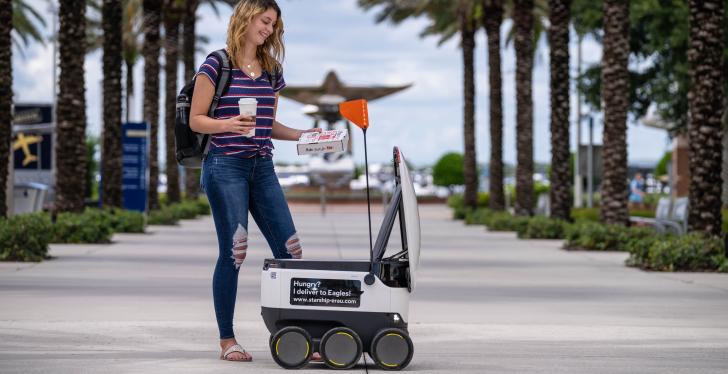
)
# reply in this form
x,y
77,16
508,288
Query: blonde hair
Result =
x,y
271,52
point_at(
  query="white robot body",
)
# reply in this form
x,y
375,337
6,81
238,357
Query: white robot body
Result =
x,y
344,308
297,289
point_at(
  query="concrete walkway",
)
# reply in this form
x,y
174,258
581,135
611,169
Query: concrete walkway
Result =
x,y
485,303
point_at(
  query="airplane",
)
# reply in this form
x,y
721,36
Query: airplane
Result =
x,y
23,142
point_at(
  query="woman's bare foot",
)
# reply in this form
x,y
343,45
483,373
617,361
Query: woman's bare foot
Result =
x,y
233,356
316,357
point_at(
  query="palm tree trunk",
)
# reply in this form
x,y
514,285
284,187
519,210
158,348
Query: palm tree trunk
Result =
x,y
152,18
111,149
523,20
6,98
192,176
492,19
559,57
705,57
467,32
71,108
171,52
615,83
724,171
129,88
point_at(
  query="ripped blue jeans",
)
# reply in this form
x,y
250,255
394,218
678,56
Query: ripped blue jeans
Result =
x,y
234,186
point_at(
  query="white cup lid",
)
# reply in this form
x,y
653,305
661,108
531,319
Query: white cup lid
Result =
x,y
247,100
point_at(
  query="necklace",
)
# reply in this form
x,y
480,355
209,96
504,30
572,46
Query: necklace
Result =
x,y
249,67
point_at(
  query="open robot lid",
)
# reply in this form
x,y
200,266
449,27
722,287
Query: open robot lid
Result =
x,y
404,205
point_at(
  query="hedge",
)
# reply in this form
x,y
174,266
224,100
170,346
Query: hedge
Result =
x,y
596,236
543,228
691,252
91,226
25,237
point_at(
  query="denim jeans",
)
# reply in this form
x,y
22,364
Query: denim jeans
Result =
x,y
234,186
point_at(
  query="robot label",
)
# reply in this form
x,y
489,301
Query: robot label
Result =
x,y
326,292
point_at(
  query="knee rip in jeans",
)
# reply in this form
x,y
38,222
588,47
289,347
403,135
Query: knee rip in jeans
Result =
x,y
293,246
240,246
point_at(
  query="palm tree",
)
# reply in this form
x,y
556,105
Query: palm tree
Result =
x,y
6,96
492,19
447,18
523,22
192,181
615,83
111,149
466,15
189,37
17,27
152,18
71,107
173,10
705,58
559,58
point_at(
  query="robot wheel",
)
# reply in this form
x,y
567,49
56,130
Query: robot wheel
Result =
x,y
341,348
291,347
391,349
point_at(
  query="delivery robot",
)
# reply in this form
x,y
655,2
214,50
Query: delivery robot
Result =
x,y
344,308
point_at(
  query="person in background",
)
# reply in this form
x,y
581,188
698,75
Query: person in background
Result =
x,y
636,192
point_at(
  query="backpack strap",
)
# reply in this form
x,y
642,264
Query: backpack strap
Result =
x,y
223,79
274,76
221,86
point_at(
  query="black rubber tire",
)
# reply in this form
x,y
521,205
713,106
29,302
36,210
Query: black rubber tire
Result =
x,y
287,344
341,348
391,349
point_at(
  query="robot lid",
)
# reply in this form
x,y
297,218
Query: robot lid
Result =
x,y
411,216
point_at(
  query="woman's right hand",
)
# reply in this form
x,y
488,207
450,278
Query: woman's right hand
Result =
x,y
240,124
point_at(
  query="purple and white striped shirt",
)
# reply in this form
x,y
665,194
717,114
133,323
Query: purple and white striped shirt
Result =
x,y
241,85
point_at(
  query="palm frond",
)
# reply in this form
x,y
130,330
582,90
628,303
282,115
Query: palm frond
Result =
x,y
25,25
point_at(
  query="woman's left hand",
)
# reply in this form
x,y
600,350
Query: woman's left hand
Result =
x,y
315,129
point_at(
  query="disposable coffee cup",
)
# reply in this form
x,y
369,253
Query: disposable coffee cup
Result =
x,y
248,107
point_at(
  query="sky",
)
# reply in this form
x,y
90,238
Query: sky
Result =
x,y
425,121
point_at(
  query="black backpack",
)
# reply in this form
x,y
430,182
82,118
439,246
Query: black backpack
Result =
x,y
191,147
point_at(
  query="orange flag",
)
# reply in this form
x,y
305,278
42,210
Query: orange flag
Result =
x,y
356,111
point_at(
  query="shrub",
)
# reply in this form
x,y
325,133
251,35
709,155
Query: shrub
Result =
x,y
691,252
477,217
504,221
599,237
185,209
163,216
585,214
91,226
203,206
123,220
483,199
457,203
448,170
24,237
646,213
543,228
639,248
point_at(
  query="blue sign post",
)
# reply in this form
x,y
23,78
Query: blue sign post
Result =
x,y
135,171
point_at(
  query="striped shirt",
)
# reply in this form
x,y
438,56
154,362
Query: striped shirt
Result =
x,y
243,86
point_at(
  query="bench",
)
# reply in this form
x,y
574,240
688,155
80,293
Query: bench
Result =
x,y
669,217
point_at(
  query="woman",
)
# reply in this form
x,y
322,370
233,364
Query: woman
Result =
x,y
238,173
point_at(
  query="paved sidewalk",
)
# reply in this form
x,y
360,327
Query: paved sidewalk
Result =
x,y
485,303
